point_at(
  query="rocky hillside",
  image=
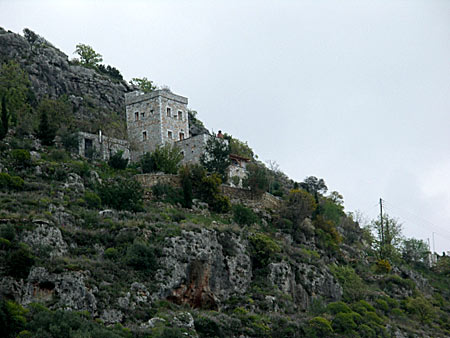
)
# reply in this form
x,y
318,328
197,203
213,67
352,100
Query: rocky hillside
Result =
x,y
53,75
82,254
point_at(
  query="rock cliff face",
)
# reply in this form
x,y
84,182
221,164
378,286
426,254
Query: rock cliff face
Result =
x,y
91,94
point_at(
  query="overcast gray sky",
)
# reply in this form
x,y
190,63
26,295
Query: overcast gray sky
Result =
x,y
355,92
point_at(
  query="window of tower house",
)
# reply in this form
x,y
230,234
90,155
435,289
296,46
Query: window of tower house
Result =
x,y
169,134
136,116
142,115
180,115
181,136
169,111
144,136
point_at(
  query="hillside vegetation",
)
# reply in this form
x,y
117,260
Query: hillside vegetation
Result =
x,y
83,254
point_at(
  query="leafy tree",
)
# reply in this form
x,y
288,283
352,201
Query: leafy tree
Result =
x,y
88,56
298,205
256,179
262,250
144,84
4,119
443,266
388,232
421,308
110,71
313,185
238,147
331,210
216,158
414,250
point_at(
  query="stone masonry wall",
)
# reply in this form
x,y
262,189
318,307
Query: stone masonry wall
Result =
x,y
236,195
149,180
104,149
193,148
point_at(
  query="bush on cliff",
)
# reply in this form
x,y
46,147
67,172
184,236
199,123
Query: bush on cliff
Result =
x,y
121,193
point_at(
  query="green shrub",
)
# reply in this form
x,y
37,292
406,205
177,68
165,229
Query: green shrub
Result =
x,y
4,244
116,161
366,331
11,182
243,215
329,237
12,318
344,323
391,281
165,158
421,308
383,266
61,323
141,257
262,250
186,183
337,307
207,327
58,155
167,193
21,158
220,203
382,305
92,200
81,168
19,261
362,307
372,317
121,193
353,285
319,327
111,254
8,232
70,141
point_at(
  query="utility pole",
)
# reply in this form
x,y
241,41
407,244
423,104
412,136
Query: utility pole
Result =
x,y
434,249
382,228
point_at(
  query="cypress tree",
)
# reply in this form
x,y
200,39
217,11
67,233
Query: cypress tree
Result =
x,y
46,133
4,119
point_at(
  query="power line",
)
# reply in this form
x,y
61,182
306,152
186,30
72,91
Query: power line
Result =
x,y
390,204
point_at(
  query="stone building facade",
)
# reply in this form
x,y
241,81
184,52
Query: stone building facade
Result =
x,y
100,146
154,119
193,147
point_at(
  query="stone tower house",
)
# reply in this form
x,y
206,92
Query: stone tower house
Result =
x,y
154,119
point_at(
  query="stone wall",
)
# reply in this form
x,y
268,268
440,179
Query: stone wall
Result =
x,y
101,146
245,196
149,180
193,148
